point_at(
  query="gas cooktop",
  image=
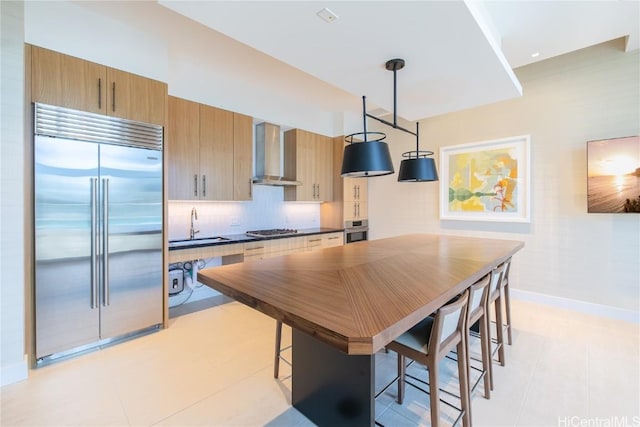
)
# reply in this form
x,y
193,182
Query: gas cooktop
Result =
x,y
272,232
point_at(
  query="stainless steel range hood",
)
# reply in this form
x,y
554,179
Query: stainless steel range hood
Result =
x,y
268,157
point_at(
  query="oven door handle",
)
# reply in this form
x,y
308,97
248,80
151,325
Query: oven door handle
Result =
x,y
356,229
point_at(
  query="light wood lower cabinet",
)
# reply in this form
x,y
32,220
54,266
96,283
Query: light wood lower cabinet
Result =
x,y
259,249
67,81
204,252
322,241
270,248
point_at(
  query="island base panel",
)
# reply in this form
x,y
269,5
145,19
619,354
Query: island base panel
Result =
x,y
330,387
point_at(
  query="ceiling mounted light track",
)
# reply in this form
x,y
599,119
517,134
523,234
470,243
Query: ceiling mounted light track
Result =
x,y
372,157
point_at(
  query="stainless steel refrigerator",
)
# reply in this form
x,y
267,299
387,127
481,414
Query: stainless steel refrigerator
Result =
x,y
98,230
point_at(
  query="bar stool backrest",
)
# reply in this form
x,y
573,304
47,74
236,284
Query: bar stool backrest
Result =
x,y
496,279
449,324
478,294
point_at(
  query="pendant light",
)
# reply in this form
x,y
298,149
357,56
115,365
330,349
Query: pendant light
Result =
x,y
372,158
417,166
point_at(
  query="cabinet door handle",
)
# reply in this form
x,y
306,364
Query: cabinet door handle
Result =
x,y
354,210
358,190
195,185
99,93
204,186
250,188
318,191
332,238
253,249
314,240
355,192
358,210
113,96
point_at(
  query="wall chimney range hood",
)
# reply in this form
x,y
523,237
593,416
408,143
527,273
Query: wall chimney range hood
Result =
x,y
268,149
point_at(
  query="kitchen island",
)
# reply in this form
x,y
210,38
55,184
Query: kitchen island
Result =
x,y
345,303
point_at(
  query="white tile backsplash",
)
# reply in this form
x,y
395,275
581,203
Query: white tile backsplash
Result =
x,y
266,210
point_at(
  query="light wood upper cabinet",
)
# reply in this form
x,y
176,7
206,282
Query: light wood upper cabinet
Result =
x,y
350,194
355,198
355,189
308,158
183,148
324,168
63,80
210,152
242,156
216,153
70,82
134,97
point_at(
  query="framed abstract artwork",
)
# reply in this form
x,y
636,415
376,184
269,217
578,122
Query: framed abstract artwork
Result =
x,y
486,181
613,175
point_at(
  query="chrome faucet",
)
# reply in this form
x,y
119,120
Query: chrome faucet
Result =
x,y
194,216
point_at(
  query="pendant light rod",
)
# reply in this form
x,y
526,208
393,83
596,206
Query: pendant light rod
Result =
x,y
395,126
393,65
364,117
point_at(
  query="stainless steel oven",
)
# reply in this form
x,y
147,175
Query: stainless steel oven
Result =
x,y
356,231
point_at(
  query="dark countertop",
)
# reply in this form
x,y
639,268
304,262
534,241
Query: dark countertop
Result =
x,y
229,239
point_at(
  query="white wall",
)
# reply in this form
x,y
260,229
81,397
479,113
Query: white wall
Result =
x,y
586,95
13,366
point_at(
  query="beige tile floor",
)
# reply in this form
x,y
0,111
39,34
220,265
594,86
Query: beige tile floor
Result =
x,y
214,368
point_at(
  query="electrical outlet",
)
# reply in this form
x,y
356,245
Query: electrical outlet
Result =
x,y
235,220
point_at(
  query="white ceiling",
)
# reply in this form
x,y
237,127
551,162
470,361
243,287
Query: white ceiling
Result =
x,y
458,54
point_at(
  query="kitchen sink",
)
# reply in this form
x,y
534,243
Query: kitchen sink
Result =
x,y
197,242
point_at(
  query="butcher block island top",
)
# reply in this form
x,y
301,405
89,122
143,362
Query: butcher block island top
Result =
x,y
359,297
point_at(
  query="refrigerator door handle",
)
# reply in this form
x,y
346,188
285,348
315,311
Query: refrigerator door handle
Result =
x,y
94,243
105,242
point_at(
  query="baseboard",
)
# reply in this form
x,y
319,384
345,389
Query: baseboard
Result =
x,y
577,305
14,373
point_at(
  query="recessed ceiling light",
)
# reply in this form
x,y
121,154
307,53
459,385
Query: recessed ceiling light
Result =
x,y
535,54
327,15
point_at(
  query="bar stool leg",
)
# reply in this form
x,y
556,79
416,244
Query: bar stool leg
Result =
x,y
507,306
499,330
434,392
276,362
401,374
485,346
464,385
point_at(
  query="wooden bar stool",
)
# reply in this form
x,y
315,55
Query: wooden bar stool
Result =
x,y
478,312
495,299
507,302
430,341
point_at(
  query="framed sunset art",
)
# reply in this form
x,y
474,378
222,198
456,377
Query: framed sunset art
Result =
x,y
486,181
613,175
